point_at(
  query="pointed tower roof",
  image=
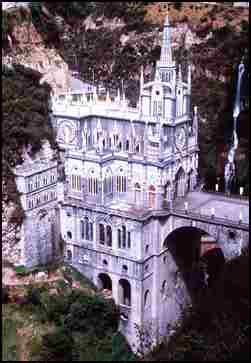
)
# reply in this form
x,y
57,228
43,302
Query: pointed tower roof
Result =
x,y
166,50
141,78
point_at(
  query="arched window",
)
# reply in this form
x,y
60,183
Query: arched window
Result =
x,y
154,108
164,289
137,148
90,231
147,299
119,238
168,192
109,142
69,256
152,196
129,239
82,227
108,185
109,235
76,183
124,292
127,145
137,194
93,186
180,183
86,227
123,237
101,234
30,186
120,146
105,263
121,182
104,282
69,234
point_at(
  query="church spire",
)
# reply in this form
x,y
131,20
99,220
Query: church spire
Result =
x,y
189,77
166,50
141,79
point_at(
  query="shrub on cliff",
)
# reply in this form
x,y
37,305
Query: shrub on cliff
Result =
x,y
57,346
25,113
93,315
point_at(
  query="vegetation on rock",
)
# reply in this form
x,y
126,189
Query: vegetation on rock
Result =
x,y
25,121
64,323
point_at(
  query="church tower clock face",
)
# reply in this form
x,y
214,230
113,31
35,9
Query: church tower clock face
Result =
x,y
180,138
66,132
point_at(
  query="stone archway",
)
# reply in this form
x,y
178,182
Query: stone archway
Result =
x,y
195,253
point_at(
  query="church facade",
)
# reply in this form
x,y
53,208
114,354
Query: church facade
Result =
x,y
119,167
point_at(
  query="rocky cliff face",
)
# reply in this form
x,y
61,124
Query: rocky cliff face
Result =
x,y
107,48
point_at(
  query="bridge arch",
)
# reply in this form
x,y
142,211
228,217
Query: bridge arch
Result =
x,y
196,255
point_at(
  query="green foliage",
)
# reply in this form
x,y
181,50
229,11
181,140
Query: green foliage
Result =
x,y
34,295
245,27
21,270
55,307
88,322
25,120
121,352
9,340
92,314
57,346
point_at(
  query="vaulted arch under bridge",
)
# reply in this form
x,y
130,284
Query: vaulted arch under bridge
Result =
x,y
197,257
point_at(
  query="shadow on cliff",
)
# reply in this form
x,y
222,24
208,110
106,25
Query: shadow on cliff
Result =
x,y
199,265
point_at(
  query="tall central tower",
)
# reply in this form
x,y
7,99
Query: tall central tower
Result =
x,y
166,67
168,95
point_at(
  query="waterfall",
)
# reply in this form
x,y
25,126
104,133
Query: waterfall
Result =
x,y
229,172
